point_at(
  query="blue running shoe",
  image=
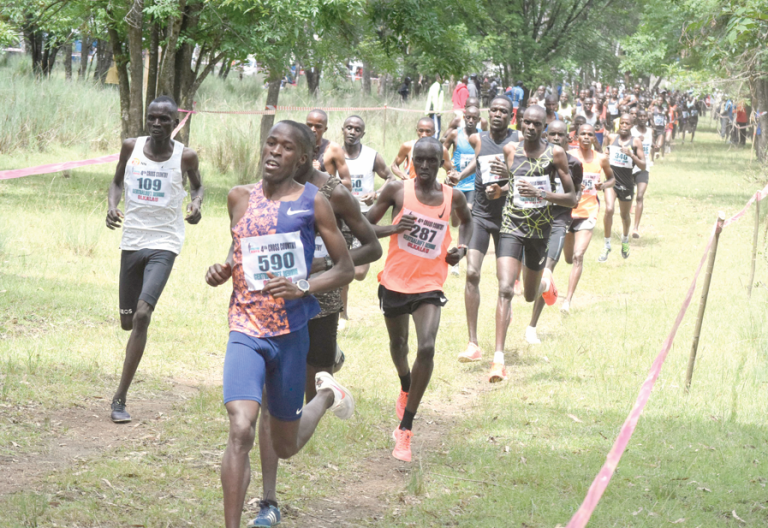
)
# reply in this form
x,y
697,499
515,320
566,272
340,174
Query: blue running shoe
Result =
x,y
269,515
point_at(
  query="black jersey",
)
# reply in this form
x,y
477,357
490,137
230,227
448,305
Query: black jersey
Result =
x,y
489,149
577,175
621,163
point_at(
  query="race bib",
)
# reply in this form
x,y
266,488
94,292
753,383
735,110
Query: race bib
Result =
x,y
465,160
359,187
320,250
619,159
658,120
531,202
647,151
694,112
149,186
685,115
425,239
282,254
613,108
590,180
484,162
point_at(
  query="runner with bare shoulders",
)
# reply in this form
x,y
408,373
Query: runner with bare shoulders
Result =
x,y
152,170
329,156
424,128
457,121
415,272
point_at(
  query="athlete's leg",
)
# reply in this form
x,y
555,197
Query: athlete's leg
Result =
x,y
610,199
626,219
268,457
134,351
236,465
472,291
639,203
568,248
507,270
538,304
694,126
397,328
580,242
426,319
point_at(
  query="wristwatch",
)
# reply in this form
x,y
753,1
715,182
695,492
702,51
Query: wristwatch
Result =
x,y
543,194
303,285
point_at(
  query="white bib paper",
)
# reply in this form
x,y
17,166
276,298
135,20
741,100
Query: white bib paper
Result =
x,y
282,254
531,202
149,187
425,239
619,159
613,108
360,186
589,181
658,120
484,162
464,160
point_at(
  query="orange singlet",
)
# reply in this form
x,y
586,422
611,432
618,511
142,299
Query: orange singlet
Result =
x,y
416,259
589,204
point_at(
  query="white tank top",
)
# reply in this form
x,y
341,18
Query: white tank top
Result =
x,y
647,140
154,193
361,172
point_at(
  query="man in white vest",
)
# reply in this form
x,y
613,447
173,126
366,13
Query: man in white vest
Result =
x,y
152,171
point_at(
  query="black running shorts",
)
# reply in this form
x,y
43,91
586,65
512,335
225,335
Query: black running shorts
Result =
x,y
532,252
641,177
143,275
482,232
395,304
557,236
322,341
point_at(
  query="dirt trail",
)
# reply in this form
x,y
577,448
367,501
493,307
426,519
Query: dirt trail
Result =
x,y
78,432
376,486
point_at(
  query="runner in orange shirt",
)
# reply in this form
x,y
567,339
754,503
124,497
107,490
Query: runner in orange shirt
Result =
x,y
415,271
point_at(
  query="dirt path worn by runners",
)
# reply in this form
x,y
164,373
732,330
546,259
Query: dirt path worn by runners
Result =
x,y
78,432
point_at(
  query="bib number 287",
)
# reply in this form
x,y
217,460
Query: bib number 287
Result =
x,y
423,233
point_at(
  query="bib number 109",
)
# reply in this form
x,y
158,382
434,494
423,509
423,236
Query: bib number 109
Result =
x,y
276,261
149,184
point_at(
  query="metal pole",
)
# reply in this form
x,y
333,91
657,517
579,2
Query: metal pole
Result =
x,y
703,303
754,246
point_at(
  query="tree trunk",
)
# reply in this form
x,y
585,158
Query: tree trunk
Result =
x,y
313,78
223,67
196,79
50,61
366,78
167,77
121,62
68,61
103,61
761,90
154,43
85,46
229,67
273,92
134,21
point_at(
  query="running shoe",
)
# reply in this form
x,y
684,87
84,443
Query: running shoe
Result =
x,y
625,249
604,254
549,296
269,515
635,234
402,444
517,289
565,308
471,354
338,361
343,402
119,414
455,270
531,336
402,401
498,373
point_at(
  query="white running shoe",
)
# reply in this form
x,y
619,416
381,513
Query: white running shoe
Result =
x,y
455,270
565,308
342,325
531,337
343,402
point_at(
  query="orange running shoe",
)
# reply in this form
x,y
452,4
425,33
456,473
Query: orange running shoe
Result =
x,y
498,373
517,289
400,404
549,296
402,444
471,354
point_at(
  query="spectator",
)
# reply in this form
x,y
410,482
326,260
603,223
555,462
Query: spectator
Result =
x,y
434,108
460,95
405,89
472,86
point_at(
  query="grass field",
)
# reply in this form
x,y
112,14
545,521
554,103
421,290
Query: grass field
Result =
x,y
522,453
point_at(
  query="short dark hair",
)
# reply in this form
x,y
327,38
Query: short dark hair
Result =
x,y
166,99
306,138
424,120
321,112
502,98
430,140
353,116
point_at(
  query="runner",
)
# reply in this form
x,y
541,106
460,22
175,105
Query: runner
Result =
x,y
590,116
362,162
322,328
624,154
551,105
152,171
414,273
641,176
463,152
694,107
556,135
598,176
486,212
424,128
458,121
533,166
659,122
273,225
329,156
613,108
566,110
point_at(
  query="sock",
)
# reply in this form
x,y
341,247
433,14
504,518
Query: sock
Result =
x,y
405,382
407,422
543,286
271,502
498,357
625,239
608,242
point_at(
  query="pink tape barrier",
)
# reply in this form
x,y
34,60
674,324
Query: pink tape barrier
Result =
x,y
58,167
595,493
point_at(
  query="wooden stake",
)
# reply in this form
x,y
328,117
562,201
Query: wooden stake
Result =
x,y
703,303
755,236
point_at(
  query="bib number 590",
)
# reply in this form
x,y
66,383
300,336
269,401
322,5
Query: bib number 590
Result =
x,y
276,261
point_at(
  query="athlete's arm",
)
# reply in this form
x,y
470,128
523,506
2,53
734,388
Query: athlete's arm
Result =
x,y
380,168
402,155
483,124
447,164
459,206
191,165
387,199
568,197
341,273
495,191
237,205
610,179
337,159
348,208
470,169
115,215
453,125
450,139
638,158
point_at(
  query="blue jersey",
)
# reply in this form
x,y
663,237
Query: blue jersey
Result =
x,y
463,155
